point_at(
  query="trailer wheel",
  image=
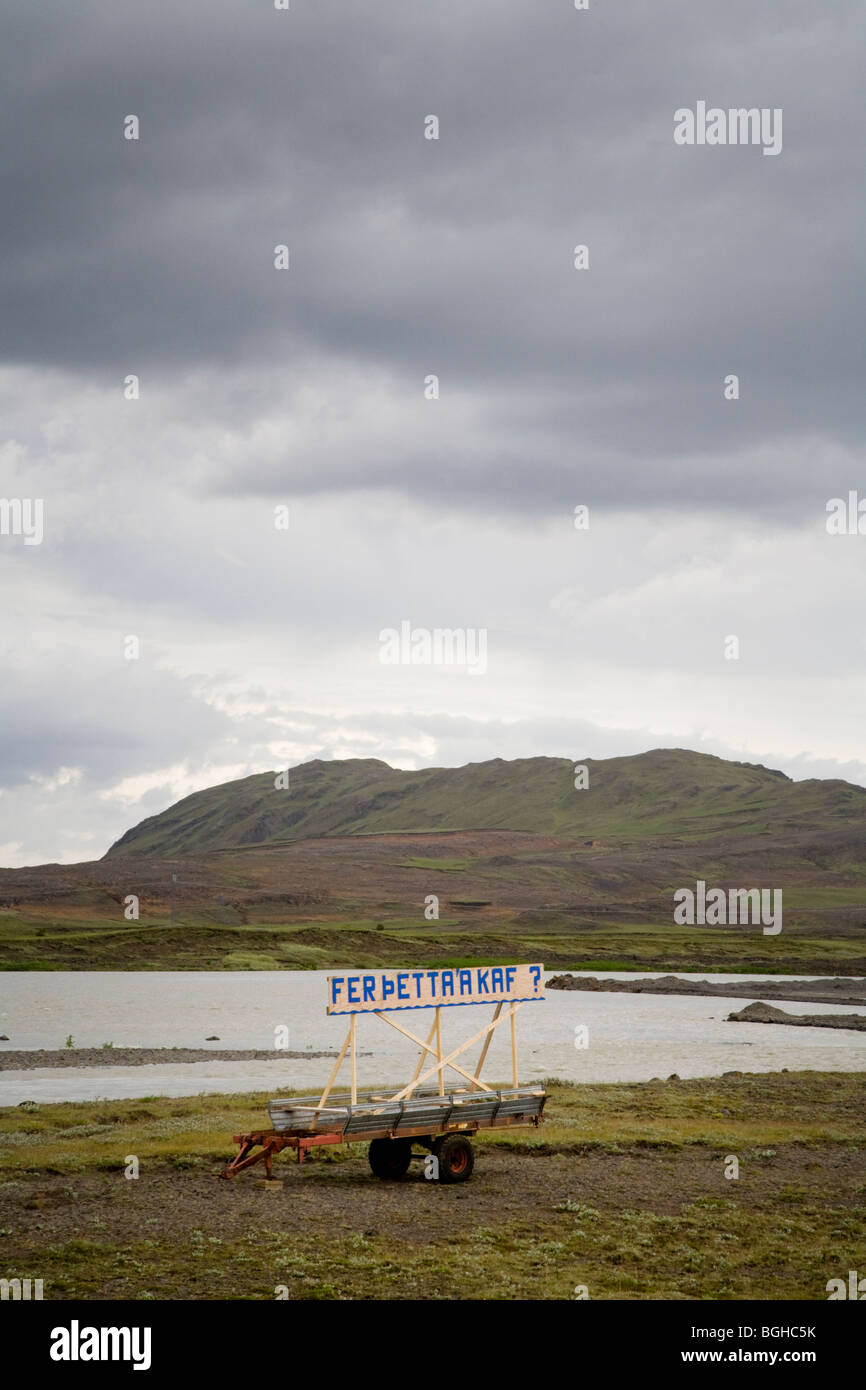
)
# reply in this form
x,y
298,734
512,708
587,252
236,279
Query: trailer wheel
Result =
x,y
456,1157
390,1158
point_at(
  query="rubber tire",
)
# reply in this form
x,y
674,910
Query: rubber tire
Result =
x,y
456,1157
390,1158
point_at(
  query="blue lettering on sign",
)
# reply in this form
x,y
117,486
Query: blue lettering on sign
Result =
x,y
348,993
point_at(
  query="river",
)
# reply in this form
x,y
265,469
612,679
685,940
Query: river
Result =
x,y
630,1037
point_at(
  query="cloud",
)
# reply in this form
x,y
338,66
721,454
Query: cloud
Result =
x,y
411,258
454,256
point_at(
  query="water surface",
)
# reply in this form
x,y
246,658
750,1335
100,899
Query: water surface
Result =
x,y
631,1037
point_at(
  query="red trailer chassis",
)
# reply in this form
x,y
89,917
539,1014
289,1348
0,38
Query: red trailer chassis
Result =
x,y
390,1128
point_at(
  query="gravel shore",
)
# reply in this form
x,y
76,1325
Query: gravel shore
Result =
x,y
139,1056
834,990
765,1013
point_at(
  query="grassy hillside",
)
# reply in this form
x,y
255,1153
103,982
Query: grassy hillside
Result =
x,y
670,793
337,870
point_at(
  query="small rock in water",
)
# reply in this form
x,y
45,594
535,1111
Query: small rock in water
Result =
x,y
4,1037
212,1038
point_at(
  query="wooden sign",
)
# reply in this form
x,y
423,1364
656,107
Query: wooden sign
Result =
x,y
362,993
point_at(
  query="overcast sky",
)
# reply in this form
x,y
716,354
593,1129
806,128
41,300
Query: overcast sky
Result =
x,y
409,257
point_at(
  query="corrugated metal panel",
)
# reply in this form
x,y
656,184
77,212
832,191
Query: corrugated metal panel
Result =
x,y
370,1117
302,1115
436,1116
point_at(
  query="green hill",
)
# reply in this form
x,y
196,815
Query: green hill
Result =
x,y
669,792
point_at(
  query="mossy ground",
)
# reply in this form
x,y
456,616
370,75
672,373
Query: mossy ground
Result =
x,y
622,1191
55,942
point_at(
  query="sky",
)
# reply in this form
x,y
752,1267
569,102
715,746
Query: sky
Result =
x,y
290,482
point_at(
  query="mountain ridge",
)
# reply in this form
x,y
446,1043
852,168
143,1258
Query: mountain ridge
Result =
x,y
664,792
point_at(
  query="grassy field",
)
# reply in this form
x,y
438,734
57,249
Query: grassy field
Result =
x,y
52,942
622,1193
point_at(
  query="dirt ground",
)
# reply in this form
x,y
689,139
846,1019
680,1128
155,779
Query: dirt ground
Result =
x,y
750,1185
345,1196
327,1229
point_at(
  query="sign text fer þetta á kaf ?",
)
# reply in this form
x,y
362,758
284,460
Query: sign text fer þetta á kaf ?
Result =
x,y
361,992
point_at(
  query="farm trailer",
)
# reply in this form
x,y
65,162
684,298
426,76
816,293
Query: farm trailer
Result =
x,y
441,1121
442,1124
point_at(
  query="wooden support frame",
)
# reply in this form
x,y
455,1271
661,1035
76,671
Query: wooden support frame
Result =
x,y
483,1056
434,1052
439,1051
425,1047
339,1062
431,1047
350,1046
448,1061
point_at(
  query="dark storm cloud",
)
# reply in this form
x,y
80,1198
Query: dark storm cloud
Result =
x,y
455,257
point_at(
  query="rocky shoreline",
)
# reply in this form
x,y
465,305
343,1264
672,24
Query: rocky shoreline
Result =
x,y
765,1013
834,990
20,1060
